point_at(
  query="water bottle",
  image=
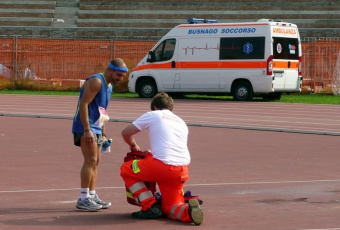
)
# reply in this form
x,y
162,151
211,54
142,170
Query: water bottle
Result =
x,y
106,146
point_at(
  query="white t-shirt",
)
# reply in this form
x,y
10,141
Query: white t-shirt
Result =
x,y
168,135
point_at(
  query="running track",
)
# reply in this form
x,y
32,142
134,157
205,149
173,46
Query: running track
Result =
x,y
319,119
256,165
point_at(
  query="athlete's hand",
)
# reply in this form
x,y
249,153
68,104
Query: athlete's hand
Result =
x,y
89,138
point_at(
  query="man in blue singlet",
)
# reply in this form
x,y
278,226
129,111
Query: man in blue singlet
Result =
x,y
89,129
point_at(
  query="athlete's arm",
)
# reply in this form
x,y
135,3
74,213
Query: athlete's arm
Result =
x,y
92,87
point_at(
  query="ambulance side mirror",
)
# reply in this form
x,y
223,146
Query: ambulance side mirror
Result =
x,y
151,57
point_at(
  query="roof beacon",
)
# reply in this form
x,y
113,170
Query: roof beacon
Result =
x,y
199,20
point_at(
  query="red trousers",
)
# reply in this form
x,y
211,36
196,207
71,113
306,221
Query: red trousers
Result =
x,y
170,180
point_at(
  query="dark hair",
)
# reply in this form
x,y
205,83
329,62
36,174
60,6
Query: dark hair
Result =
x,y
118,62
162,101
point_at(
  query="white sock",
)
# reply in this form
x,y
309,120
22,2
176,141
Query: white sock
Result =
x,y
92,193
84,193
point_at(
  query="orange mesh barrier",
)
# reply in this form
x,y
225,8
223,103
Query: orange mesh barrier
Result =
x,y
61,60
64,60
318,63
6,58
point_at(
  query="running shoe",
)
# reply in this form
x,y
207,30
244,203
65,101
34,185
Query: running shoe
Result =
x,y
104,204
88,204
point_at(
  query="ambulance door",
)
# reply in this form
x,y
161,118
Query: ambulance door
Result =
x,y
286,64
197,64
164,64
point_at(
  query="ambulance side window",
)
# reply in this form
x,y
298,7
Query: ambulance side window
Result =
x,y
165,50
286,48
242,48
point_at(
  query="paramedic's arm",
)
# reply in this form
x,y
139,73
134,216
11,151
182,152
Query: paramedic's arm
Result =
x,y
127,134
92,87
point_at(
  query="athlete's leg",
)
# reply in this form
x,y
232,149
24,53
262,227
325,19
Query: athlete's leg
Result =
x,y
89,169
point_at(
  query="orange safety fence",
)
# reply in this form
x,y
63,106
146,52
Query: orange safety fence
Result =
x,y
69,61
66,61
318,64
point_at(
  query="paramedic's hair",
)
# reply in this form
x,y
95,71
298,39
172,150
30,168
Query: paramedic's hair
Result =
x,y
162,101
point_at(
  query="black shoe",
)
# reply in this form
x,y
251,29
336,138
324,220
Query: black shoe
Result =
x,y
195,212
152,213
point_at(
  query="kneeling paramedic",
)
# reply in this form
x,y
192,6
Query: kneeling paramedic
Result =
x,y
167,164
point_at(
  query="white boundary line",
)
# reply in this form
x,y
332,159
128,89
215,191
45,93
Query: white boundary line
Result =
x,y
187,185
320,229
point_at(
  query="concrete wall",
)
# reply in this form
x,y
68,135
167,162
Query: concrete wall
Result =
x,y
153,18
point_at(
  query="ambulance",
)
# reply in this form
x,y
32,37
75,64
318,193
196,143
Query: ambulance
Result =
x,y
244,60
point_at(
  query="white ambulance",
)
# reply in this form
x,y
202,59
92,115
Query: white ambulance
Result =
x,y
260,58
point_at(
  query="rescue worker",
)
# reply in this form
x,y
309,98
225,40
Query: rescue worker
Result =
x,y
167,164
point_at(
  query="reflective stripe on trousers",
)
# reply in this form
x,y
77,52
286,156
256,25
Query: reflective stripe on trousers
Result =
x,y
179,208
142,191
137,186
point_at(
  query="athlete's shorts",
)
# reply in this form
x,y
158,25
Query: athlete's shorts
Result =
x,y
97,138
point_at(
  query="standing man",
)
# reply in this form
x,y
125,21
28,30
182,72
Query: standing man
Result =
x,y
167,164
28,72
89,130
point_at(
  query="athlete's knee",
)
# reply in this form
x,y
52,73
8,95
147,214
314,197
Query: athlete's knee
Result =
x,y
91,162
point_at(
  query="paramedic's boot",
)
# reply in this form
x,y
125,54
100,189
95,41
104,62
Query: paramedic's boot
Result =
x,y
195,212
152,213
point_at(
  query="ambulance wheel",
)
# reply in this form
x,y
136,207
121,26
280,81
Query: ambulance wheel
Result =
x,y
147,88
242,91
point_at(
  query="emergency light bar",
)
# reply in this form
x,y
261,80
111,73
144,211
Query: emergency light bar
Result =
x,y
198,20
269,20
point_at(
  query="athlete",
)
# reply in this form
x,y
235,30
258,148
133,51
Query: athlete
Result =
x,y
89,129
166,164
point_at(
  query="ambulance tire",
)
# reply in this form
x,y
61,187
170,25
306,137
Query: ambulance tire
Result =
x,y
242,91
147,88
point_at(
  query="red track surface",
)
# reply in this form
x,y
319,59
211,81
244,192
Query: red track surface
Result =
x,y
248,179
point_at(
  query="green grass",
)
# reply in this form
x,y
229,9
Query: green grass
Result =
x,y
311,99
37,92
291,98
